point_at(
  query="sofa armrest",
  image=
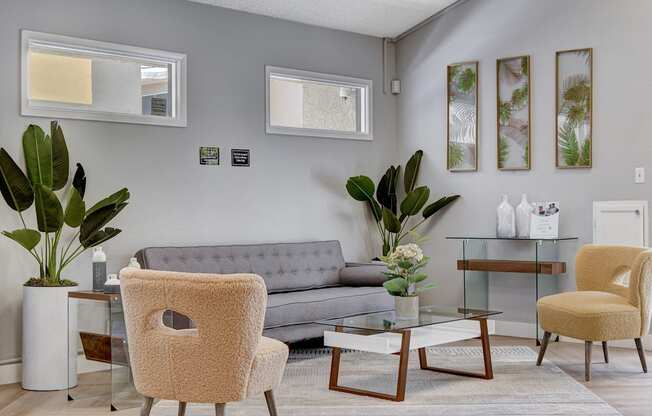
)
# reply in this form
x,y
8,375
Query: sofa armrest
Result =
x,y
363,274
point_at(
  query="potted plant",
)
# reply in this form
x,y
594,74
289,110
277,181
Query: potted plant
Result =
x,y
60,233
403,265
394,221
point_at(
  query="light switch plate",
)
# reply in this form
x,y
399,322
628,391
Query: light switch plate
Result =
x,y
639,175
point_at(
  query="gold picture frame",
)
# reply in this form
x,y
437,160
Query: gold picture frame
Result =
x,y
462,116
513,113
574,109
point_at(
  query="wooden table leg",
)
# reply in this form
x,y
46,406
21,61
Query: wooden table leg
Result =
x,y
401,383
486,353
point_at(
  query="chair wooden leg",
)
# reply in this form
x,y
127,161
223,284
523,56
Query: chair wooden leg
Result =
x,y
641,353
588,347
220,409
148,402
271,404
182,409
605,351
544,346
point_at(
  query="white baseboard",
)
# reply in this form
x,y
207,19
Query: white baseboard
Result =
x,y
11,372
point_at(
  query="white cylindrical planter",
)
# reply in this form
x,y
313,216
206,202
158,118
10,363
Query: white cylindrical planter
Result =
x,y
45,339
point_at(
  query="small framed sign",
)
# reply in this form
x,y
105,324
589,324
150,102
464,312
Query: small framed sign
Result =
x,y
209,155
240,157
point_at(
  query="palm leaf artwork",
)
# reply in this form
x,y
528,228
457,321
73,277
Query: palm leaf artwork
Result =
x,y
44,186
574,108
513,114
462,116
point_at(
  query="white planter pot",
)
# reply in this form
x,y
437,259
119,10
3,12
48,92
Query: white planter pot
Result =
x,y
406,307
45,339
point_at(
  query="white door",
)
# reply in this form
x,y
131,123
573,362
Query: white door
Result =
x,y
620,222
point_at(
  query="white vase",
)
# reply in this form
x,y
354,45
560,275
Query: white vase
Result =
x,y
406,307
523,211
46,336
506,219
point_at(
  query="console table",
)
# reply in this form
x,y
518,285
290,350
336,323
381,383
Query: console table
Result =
x,y
101,334
540,260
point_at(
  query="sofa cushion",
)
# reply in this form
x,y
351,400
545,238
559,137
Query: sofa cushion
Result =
x,y
283,266
336,302
363,274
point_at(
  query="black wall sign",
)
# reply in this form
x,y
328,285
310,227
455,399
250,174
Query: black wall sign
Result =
x,y
239,157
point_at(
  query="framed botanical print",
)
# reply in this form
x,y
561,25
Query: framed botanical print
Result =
x,y
513,113
574,108
462,117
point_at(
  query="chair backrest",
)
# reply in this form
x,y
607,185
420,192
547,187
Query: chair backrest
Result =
x,y
623,270
207,364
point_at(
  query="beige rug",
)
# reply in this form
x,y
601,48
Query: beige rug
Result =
x,y
518,388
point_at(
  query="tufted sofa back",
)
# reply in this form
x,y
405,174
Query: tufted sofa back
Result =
x,y
284,266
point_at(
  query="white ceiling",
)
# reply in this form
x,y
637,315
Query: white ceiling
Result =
x,y
382,18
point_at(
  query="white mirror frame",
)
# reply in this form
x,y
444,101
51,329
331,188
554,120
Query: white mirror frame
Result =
x,y
177,62
366,103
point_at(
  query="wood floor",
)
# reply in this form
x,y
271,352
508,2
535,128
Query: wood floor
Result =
x,y
620,383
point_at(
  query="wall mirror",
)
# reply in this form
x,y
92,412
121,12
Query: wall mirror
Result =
x,y
66,77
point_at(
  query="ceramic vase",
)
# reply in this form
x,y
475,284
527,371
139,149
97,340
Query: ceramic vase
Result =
x,y
406,307
523,211
506,219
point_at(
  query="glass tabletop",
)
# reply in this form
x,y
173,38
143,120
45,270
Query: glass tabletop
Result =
x,y
387,321
510,238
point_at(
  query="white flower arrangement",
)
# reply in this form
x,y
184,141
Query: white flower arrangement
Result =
x,y
403,264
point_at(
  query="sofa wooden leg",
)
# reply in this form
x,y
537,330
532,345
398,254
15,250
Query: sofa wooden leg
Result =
x,y
271,404
588,347
182,409
605,351
148,402
220,409
641,353
544,345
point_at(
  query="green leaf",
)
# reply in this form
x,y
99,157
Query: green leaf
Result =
x,y
431,209
455,155
418,278
390,221
585,158
60,163
38,156
114,199
79,180
49,214
100,236
503,151
95,220
376,210
415,200
386,192
412,171
398,285
568,144
75,209
361,188
14,185
25,237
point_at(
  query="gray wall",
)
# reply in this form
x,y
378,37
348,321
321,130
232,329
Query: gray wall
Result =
x,y
293,191
484,30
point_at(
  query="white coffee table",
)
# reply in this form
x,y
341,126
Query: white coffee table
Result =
x,y
383,333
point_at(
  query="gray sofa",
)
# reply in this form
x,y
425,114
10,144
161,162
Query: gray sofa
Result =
x,y
305,281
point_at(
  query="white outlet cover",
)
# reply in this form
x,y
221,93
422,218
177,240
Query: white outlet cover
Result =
x,y
639,175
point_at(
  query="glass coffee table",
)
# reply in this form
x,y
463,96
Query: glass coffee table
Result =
x,y
384,333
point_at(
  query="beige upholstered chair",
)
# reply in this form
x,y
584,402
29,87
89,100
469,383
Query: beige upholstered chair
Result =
x,y
224,359
613,301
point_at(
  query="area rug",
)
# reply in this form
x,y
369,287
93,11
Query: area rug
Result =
x,y
518,388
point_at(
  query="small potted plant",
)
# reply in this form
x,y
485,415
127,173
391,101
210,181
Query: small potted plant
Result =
x,y
403,266
64,227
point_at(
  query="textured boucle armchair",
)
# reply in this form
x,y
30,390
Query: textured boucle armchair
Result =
x,y
613,300
223,359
